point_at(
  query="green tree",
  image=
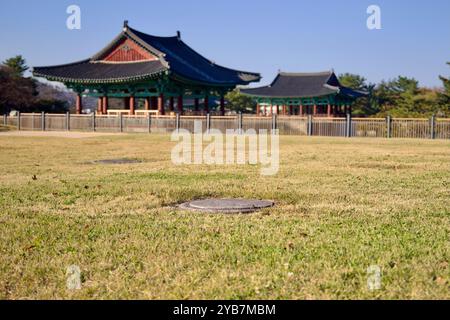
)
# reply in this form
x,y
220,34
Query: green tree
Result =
x,y
402,97
364,106
17,64
444,96
15,92
27,95
353,81
239,102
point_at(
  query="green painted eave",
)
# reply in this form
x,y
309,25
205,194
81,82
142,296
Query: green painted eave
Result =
x,y
81,81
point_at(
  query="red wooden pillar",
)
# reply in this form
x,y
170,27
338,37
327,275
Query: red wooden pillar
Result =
x,y
196,104
222,105
291,110
105,105
171,104
147,103
258,109
99,105
329,110
161,104
180,104
132,105
206,105
154,103
78,104
315,109
284,109
271,109
301,109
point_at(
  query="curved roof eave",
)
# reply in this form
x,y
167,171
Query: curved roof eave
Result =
x,y
289,97
97,81
201,83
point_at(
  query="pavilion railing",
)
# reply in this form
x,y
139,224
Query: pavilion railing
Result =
x,y
433,128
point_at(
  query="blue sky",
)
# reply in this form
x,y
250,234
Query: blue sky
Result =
x,y
263,36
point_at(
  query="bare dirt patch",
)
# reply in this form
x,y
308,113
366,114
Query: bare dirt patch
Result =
x,y
58,134
117,161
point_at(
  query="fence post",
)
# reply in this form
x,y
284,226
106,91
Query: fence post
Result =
x,y
240,119
348,131
120,122
43,121
177,122
93,121
310,125
208,122
389,127
68,121
149,122
433,127
274,122
5,119
18,120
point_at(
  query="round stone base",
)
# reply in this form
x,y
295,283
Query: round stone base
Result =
x,y
227,205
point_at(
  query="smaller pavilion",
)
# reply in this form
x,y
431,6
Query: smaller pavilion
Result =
x,y
318,94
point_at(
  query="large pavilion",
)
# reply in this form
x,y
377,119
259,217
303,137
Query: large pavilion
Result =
x,y
158,70
318,94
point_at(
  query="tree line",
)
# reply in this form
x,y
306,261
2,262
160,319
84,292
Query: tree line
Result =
x,y
26,94
399,97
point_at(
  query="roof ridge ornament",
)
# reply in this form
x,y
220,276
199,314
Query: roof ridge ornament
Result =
x,y
179,35
125,25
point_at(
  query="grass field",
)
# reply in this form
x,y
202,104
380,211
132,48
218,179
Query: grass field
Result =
x,y
342,205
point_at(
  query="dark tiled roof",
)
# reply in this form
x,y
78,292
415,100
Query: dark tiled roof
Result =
x,y
302,85
175,57
187,63
97,72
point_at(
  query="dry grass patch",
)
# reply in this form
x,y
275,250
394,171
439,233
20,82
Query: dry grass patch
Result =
x,y
342,205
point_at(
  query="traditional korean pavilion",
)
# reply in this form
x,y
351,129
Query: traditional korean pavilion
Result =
x,y
319,94
158,70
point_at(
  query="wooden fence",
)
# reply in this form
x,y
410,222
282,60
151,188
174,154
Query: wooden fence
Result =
x,y
432,128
